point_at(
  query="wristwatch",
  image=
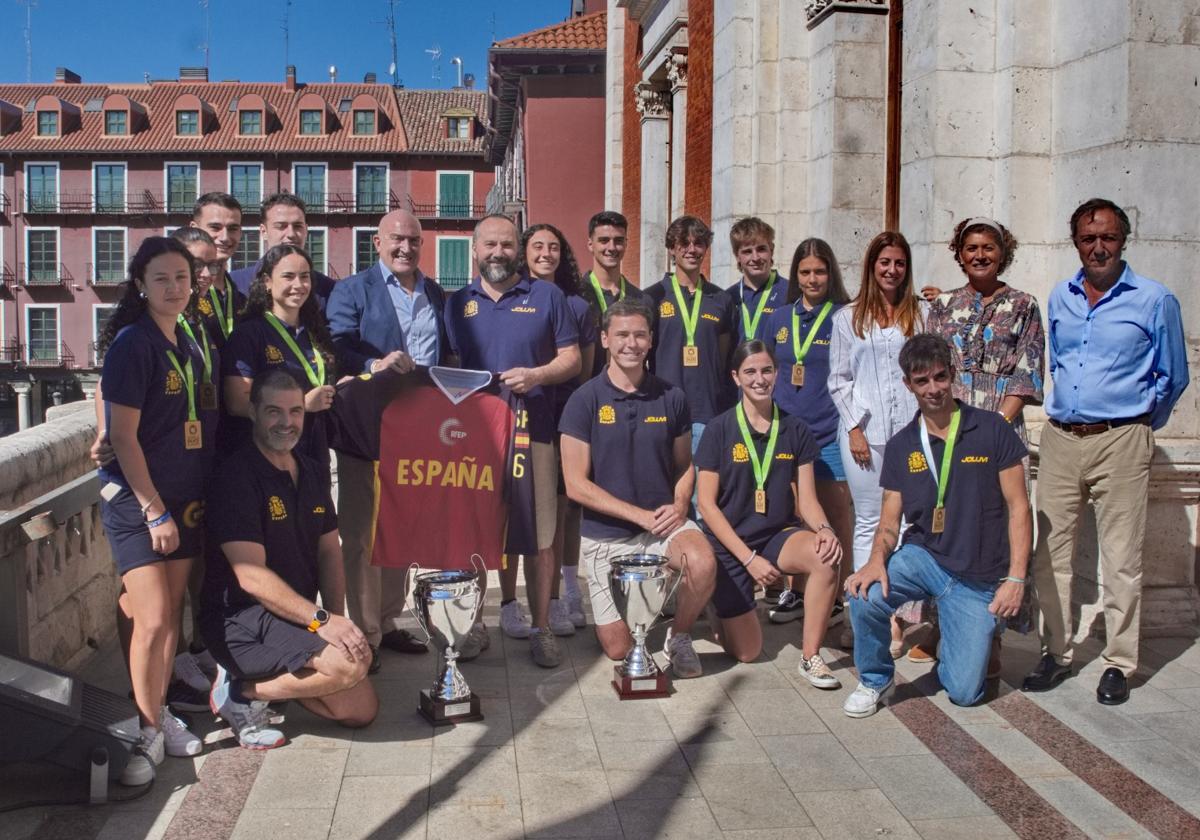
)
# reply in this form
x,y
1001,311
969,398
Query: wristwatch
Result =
x,y
320,619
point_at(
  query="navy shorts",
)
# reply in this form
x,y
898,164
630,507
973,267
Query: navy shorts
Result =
x,y
129,537
828,466
254,643
734,593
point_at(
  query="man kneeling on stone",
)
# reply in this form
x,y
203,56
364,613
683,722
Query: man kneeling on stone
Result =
x,y
270,512
955,474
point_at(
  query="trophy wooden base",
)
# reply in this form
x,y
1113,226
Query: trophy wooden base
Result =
x,y
640,688
441,713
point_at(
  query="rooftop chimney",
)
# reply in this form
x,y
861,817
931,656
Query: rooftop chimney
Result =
x,y
63,76
193,74
469,81
369,79
289,82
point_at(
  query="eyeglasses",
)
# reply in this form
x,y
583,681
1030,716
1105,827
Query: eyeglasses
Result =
x,y
213,268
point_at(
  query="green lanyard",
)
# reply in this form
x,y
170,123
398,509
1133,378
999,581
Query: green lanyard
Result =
x,y
800,350
761,468
203,345
185,373
750,327
600,292
316,378
690,319
224,320
943,477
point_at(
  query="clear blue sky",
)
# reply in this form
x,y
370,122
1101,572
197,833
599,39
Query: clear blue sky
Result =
x,y
122,40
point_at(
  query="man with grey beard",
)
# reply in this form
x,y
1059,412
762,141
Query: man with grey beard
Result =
x,y
523,332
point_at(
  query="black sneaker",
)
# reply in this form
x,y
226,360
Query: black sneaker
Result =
x,y
838,613
789,607
181,697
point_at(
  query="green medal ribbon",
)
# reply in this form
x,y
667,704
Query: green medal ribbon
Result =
x,y
801,350
224,320
185,372
315,377
943,479
761,468
203,345
690,319
750,327
600,292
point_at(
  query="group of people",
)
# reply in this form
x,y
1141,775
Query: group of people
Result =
x,y
751,435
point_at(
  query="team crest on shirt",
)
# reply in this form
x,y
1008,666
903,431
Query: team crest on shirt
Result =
x,y
740,453
204,307
917,462
174,382
276,509
608,414
193,514
274,357
781,337
319,509
471,309
666,309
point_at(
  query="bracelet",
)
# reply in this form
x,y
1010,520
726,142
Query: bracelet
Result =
x,y
166,517
824,525
148,504
1014,579
750,559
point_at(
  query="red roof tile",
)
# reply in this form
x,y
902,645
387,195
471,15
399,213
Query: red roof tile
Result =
x,y
587,32
421,112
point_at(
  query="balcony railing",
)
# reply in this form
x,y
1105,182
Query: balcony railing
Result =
x,y
50,355
12,352
44,275
446,209
95,355
110,202
3,203
7,276
105,275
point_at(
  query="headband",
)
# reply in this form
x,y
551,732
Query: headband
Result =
x,y
986,222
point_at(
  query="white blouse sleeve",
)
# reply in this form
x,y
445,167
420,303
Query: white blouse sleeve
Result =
x,y
841,370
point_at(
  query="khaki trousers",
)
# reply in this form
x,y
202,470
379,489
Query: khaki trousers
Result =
x,y
375,596
1113,470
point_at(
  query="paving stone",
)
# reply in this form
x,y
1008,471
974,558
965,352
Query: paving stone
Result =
x,y
568,804
1016,751
921,787
1082,805
300,824
752,796
142,825
484,777
810,833
561,744
496,728
683,819
718,739
964,828
614,719
381,806
816,763
383,756
856,815
455,822
298,779
777,712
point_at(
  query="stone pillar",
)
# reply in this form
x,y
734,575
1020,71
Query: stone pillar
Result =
x,y
614,105
653,104
677,76
23,390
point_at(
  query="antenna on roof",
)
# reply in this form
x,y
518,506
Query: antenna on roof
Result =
x,y
287,13
207,31
435,56
391,23
29,7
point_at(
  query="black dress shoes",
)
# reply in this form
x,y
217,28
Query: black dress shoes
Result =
x,y
402,641
1113,689
1046,675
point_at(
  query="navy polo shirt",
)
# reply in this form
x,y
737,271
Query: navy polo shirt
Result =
x,y
974,544
723,451
811,402
254,347
748,297
632,438
212,323
708,386
251,500
632,292
524,328
137,374
589,335
322,285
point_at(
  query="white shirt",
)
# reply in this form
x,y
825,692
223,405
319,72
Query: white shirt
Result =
x,y
865,380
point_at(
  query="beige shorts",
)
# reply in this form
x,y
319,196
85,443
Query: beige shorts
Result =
x,y
596,556
545,491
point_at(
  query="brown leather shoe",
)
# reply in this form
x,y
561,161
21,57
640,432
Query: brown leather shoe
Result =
x,y
401,641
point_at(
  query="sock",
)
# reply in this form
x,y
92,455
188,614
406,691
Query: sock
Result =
x,y
570,581
235,693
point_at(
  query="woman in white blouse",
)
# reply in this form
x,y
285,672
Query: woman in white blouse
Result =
x,y
865,379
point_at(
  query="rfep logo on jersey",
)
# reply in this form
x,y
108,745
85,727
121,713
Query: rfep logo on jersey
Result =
x,y
451,431
471,309
917,462
740,453
666,309
174,382
608,415
276,509
274,357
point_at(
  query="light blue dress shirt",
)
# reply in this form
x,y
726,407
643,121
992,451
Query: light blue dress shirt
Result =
x,y
1122,358
418,320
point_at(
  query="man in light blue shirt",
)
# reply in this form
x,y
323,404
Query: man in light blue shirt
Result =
x,y
1119,365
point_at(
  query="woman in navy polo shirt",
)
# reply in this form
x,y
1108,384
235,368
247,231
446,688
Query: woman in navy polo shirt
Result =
x,y
755,488
152,498
281,326
802,333
546,255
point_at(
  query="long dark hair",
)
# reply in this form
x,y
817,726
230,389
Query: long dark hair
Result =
x,y
869,307
132,304
819,248
258,301
566,276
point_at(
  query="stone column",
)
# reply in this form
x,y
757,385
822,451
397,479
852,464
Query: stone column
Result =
x,y
614,104
654,105
23,390
677,76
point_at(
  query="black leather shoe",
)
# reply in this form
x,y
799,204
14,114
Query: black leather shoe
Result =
x,y
373,668
402,641
1046,675
1114,687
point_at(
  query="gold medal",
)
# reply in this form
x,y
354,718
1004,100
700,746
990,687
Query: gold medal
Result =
x,y
939,519
192,438
691,355
760,501
208,396
798,375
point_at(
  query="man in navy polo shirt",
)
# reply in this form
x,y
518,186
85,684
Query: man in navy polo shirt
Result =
x,y
220,216
760,291
270,513
956,476
523,331
283,223
627,460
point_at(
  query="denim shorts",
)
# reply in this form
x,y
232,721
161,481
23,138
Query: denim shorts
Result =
x,y
828,466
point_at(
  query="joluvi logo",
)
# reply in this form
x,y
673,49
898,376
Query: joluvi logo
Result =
x,y
276,509
274,357
917,462
740,454
524,309
471,309
450,432
608,414
174,382
975,459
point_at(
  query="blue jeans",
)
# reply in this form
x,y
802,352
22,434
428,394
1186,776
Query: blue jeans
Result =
x,y
967,626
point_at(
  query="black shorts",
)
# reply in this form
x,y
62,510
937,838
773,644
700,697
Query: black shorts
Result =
x,y
254,643
734,592
129,537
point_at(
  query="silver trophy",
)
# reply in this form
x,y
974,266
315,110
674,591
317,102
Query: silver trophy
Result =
x,y
447,606
639,585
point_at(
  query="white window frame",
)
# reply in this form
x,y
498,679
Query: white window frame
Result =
x,y
354,246
167,185
57,180
387,180
261,176
57,248
437,253
95,261
324,269
325,182
96,307
470,189
125,191
57,307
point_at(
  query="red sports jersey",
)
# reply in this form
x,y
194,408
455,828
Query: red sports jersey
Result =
x,y
452,466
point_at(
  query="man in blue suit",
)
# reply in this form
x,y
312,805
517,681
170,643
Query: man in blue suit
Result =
x,y
381,318
283,223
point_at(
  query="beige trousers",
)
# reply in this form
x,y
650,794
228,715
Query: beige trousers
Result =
x,y
374,595
1112,469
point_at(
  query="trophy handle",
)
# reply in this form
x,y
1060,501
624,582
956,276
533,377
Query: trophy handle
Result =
x,y
481,571
671,594
409,579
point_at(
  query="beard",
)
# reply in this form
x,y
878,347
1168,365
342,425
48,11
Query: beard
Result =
x,y
498,269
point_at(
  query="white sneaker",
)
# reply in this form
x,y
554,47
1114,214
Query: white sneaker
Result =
x,y
513,620
683,657
864,702
560,622
543,647
575,610
147,754
477,642
817,672
178,741
188,669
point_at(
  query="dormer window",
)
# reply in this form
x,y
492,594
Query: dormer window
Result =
x,y
250,123
116,123
310,122
47,123
364,121
187,123
458,128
